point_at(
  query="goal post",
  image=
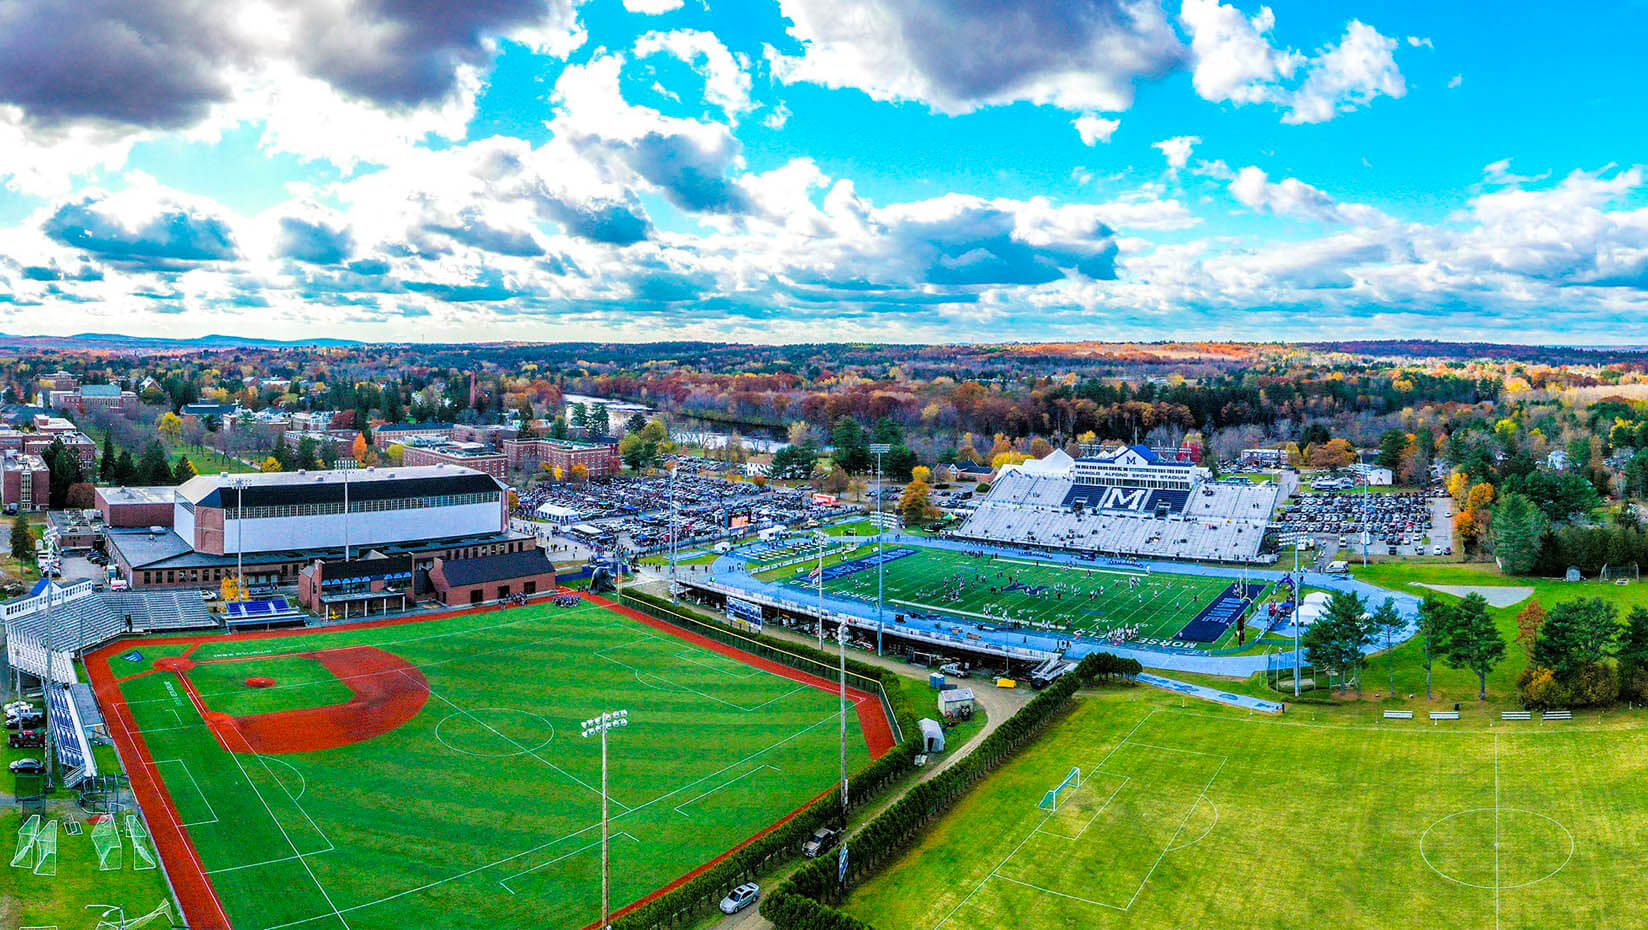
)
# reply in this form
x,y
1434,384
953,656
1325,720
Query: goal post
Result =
x,y
27,836
1623,573
106,842
45,850
143,852
1072,781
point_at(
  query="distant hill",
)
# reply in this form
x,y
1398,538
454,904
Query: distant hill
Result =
x,y
115,342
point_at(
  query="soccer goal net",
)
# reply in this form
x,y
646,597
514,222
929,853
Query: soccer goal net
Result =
x,y
45,850
1620,574
106,842
143,852
1072,781
27,836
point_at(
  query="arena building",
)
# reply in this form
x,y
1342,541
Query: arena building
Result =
x,y
1127,501
275,524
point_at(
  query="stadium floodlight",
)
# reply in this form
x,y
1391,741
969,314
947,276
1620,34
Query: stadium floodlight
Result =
x,y
240,537
601,726
878,449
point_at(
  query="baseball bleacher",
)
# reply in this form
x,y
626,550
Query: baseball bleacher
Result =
x,y
66,626
74,751
1215,522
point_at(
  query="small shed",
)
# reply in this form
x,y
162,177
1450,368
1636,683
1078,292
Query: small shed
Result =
x,y
956,702
932,735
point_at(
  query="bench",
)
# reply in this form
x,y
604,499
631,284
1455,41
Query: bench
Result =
x,y
1557,715
1516,715
1398,715
1444,715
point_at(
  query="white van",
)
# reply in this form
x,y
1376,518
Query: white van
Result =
x,y
1337,567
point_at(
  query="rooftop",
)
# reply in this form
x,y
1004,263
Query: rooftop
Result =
x,y
491,568
147,495
169,550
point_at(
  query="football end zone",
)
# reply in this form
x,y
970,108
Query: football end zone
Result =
x,y
170,833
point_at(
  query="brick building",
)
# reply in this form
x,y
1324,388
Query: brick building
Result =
x,y
474,455
463,582
25,481
136,507
600,458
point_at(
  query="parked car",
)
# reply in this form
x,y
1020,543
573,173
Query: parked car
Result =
x,y
25,739
822,841
954,670
741,897
27,767
24,721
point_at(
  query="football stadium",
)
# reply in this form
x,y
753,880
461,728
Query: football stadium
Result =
x,y
430,771
1127,501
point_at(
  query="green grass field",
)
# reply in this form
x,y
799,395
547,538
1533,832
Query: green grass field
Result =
x,y
1076,598
29,900
483,809
1195,816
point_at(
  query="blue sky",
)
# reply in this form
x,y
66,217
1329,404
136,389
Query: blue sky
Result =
x,y
789,170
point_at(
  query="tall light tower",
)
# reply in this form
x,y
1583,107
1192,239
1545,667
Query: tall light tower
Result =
x,y
1297,584
601,726
878,449
673,511
822,539
240,537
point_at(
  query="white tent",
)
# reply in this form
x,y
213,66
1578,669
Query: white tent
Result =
x,y
555,513
932,735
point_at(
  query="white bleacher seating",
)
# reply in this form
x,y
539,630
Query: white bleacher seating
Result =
x,y
1444,715
1557,715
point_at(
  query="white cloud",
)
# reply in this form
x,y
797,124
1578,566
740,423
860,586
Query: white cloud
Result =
x,y
1074,54
652,7
1094,129
1455,81
1234,60
1418,42
725,82
1293,197
1347,76
777,119
1177,150
1233,57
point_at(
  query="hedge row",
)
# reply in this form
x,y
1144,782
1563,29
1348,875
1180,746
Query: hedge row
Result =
x,y
805,901
701,893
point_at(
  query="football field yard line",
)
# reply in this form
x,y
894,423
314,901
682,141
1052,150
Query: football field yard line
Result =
x,y
530,752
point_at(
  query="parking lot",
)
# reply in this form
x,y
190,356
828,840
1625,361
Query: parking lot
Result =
x,y
1405,523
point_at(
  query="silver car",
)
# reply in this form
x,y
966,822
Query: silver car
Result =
x,y
741,897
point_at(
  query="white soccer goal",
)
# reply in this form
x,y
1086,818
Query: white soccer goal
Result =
x,y
27,836
45,850
143,852
1620,574
106,842
1072,781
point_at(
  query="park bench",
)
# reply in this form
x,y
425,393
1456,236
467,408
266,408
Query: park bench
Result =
x,y
1516,715
1557,715
1444,715
1398,715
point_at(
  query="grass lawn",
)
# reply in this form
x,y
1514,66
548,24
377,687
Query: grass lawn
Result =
x,y
1198,816
1069,597
29,900
208,461
481,808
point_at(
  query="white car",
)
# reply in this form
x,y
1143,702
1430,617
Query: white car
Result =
x,y
741,897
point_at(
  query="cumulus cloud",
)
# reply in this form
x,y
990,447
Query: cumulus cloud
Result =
x,y
1293,197
958,56
1094,129
1234,60
652,7
317,241
140,232
1177,150
114,72
726,84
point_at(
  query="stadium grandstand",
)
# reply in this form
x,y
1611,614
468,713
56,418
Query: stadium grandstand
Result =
x,y
44,633
1126,501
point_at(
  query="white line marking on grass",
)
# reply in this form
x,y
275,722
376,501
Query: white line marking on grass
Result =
x,y
585,848
1060,893
288,837
1101,810
686,656
525,751
1038,826
1175,837
190,823
541,846
253,865
724,784
1074,568
1205,833
1193,752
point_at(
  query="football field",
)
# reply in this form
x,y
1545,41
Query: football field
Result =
x,y
1192,817
432,773
1078,598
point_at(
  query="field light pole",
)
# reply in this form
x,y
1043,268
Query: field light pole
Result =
x,y
673,467
821,537
601,726
1297,582
240,537
878,449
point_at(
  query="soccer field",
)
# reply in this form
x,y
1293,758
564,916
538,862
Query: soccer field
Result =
x,y
1200,818
1070,597
432,773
